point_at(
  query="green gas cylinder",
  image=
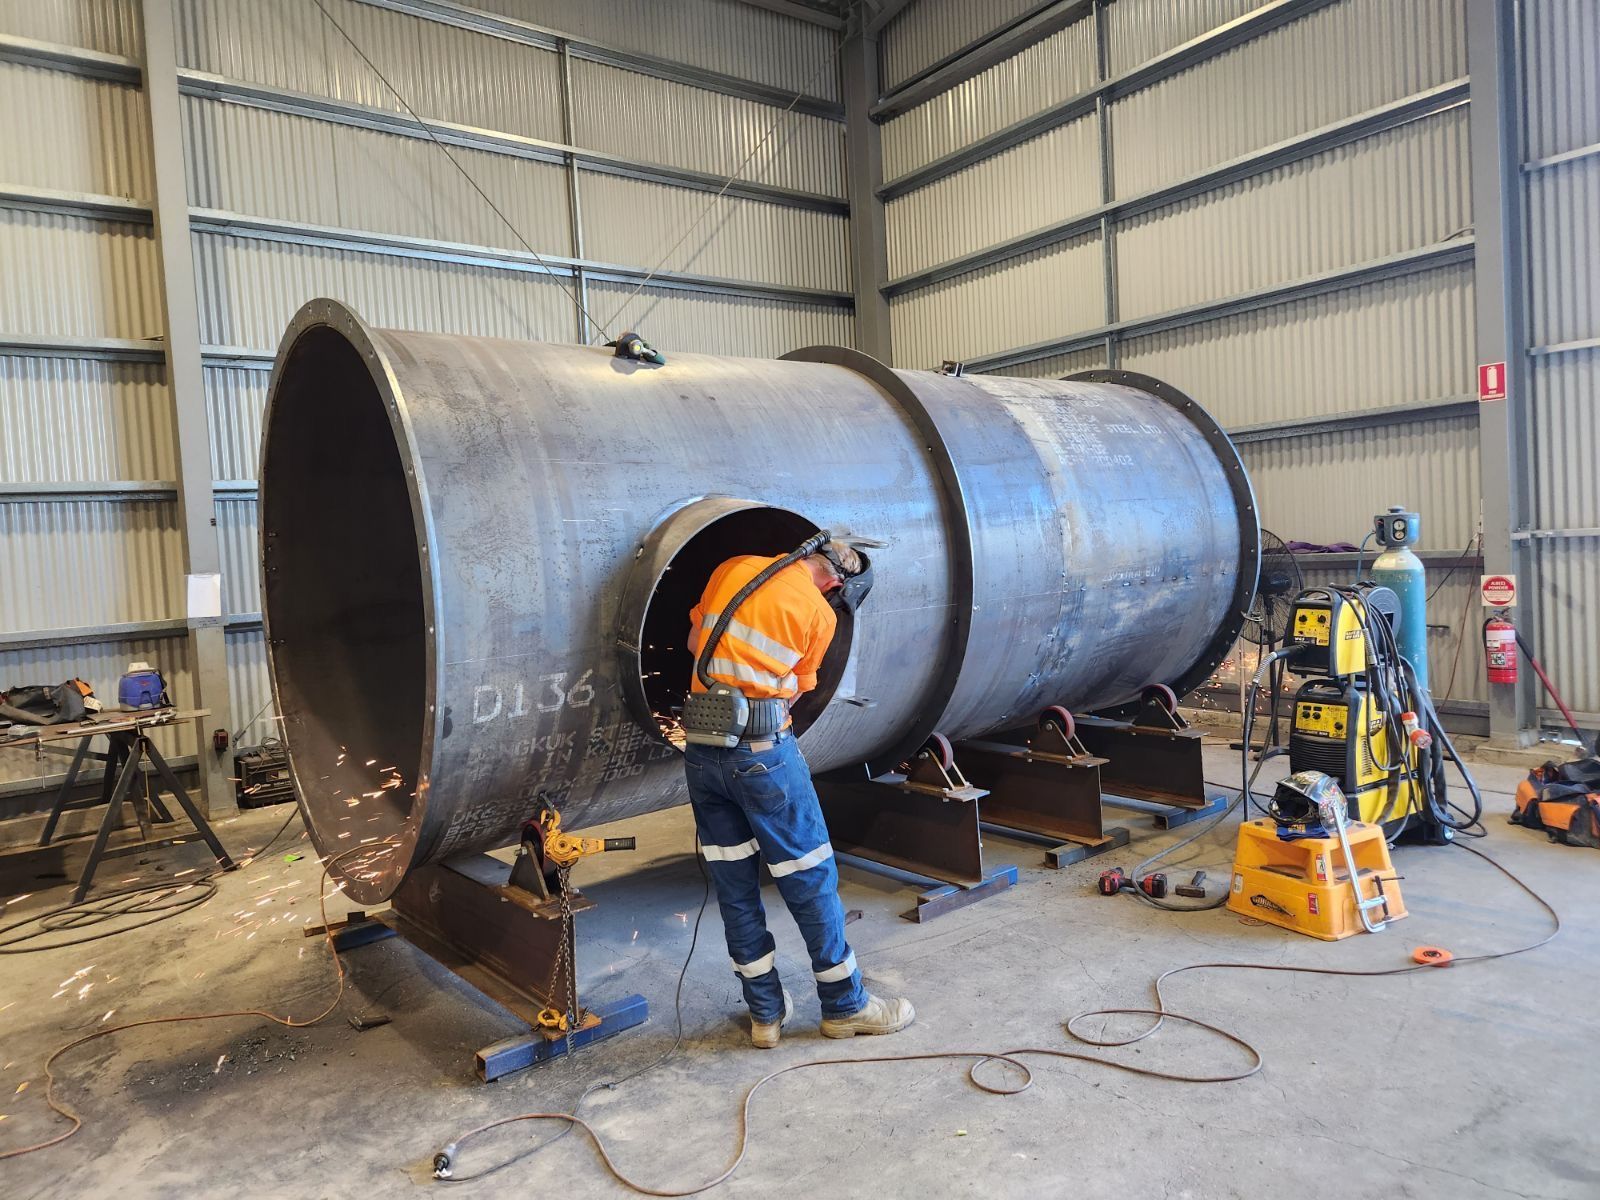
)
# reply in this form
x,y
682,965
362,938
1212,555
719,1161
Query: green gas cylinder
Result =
x,y
1398,568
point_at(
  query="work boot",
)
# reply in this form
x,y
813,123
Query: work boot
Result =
x,y
879,1016
764,1034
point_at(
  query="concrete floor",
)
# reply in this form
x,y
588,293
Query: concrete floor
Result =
x,y
1472,1082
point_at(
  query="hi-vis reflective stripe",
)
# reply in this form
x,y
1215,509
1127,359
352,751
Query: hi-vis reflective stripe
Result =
x,y
726,668
755,970
730,853
774,650
834,974
806,861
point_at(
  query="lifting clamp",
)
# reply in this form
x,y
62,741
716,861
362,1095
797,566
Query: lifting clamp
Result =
x,y
544,867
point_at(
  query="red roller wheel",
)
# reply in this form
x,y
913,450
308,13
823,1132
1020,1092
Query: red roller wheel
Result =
x,y
1060,718
938,746
1164,694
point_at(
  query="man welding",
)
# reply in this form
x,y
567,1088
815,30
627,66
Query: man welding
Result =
x,y
749,784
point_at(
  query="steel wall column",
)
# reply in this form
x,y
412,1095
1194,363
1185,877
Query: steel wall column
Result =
x,y
869,246
186,382
1108,188
1502,425
580,281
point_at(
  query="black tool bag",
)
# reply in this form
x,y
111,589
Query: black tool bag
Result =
x,y
40,704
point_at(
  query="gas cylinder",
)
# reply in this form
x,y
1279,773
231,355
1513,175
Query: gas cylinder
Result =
x,y
1400,569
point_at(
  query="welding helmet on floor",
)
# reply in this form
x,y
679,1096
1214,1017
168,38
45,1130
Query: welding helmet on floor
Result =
x,y
1310,800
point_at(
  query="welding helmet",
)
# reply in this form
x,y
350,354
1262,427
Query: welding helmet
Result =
x,y
1308,798
847,597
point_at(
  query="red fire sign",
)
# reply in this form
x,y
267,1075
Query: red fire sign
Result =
x,y
1499,591
1491,381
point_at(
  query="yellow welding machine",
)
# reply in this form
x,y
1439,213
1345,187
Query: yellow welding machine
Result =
x,y
1305,883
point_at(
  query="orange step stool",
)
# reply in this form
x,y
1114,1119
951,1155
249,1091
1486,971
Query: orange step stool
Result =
x,y
1305,884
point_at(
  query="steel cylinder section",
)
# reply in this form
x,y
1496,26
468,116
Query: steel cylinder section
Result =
x,y
479,557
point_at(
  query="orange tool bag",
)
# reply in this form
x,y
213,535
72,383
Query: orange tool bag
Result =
x,y
1563,799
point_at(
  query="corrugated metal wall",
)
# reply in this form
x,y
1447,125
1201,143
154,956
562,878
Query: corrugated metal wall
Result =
x,y
1561,140
558,109
1283,214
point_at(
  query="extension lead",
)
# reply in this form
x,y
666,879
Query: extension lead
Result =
x,y
444,1160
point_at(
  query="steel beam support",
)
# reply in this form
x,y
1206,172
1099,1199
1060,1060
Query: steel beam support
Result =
x,y
580,281
1394,266
1108,186
365,116
215,221
74,204
869,246
72,60
185,381
1369,418
978,56
527,33
1503,453
133,490
44,345
799,12
123,631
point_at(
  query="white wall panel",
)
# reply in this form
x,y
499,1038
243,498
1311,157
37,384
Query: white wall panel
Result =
x,y
74,277
1568,574
236,398
68,419
1566,434
1041,182
237,540
927,31
1139,30
1337,62
250,288
1561,72
632,221
1032,298
1325,487
72,563
250,687
727,36
1403,189
1045,74
109,26
1403,341
640,116
1563,213
72,134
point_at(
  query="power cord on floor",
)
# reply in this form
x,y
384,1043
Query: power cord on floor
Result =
x,y
287,1022
445,1157
154,901
976,1059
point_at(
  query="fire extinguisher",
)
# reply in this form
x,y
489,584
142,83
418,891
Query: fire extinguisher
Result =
x,y
1500,649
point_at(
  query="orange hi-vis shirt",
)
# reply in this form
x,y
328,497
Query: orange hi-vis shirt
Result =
x,y
778,636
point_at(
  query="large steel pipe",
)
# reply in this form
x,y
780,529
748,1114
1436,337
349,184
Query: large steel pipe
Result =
x,y
479,556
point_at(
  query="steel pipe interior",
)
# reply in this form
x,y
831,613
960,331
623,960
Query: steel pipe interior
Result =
x,y
479,557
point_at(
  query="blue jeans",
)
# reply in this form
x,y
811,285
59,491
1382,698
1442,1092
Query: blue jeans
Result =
x,y
749,803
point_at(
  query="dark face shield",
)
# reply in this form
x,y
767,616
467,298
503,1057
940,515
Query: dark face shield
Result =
x,y
847,597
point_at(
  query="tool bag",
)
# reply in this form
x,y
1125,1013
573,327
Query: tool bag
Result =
x,y
1563,799
37,704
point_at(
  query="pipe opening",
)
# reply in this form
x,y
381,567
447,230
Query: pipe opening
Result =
x,y
343,595
664,663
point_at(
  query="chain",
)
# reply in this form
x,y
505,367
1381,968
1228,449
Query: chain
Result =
x,y
564,958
